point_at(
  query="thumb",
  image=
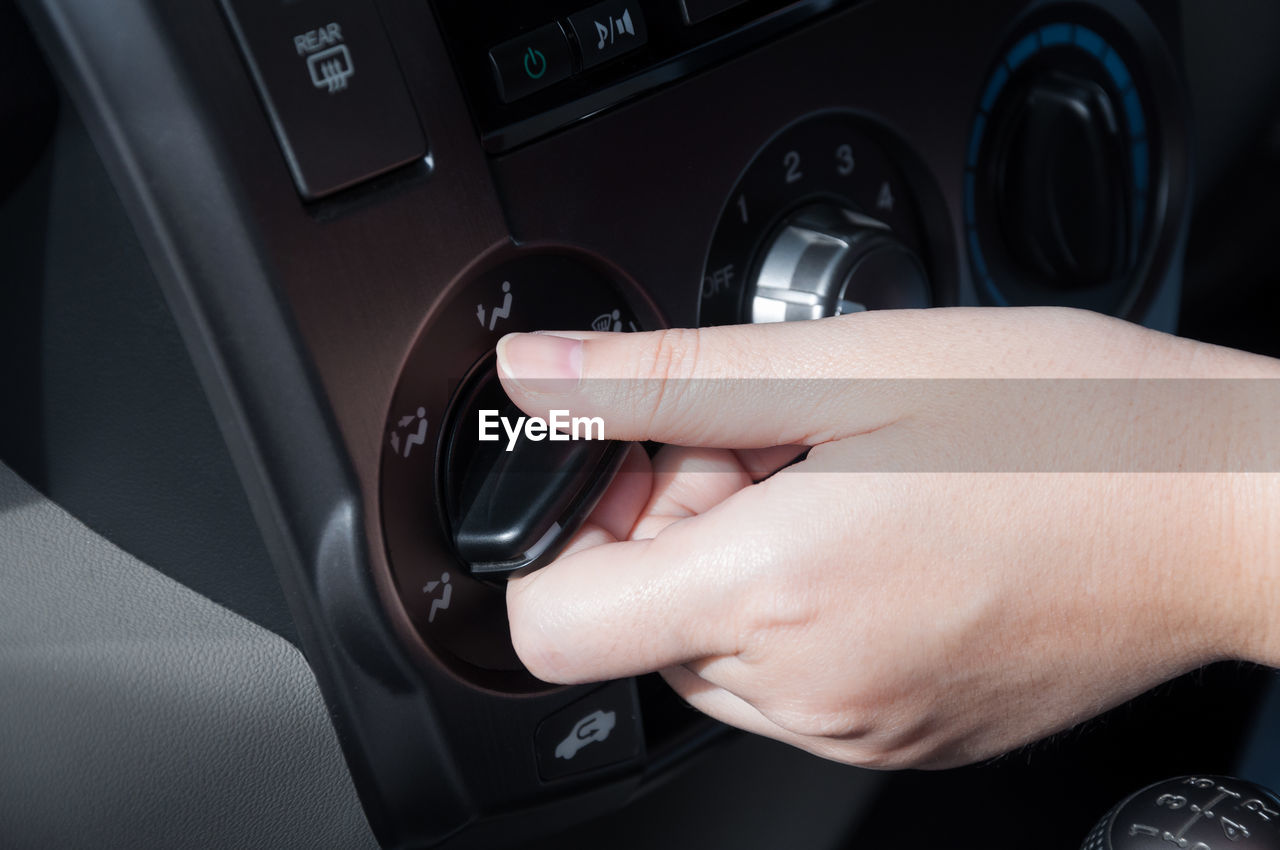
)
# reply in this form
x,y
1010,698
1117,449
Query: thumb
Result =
x,y
745,386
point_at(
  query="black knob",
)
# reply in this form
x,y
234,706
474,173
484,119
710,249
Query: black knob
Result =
x,y
513,501
1063,181
1192,813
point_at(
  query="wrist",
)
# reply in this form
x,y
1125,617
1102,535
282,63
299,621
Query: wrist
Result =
x,y
1254,564
1236,507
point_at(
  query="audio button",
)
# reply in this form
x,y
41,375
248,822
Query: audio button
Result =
x,y
608,30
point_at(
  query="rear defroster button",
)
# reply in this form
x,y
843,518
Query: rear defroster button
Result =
x,y
330,83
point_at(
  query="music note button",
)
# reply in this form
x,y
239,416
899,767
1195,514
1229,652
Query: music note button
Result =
x,y
608,30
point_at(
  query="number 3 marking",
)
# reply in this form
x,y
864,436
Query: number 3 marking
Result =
x,y
844,160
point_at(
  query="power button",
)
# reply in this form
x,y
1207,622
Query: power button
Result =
x,y
531,62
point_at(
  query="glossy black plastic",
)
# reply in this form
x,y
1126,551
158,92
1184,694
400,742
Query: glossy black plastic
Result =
x,y
514,503
671,49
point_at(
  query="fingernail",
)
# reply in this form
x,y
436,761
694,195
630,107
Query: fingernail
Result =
x,y
541,363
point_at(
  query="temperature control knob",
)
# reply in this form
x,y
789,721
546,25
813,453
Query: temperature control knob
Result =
x,y
827,260
1064,192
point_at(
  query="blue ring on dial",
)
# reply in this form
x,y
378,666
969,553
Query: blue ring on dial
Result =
x,y
1133,115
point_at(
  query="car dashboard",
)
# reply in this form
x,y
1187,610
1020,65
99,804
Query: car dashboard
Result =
x,y
258,250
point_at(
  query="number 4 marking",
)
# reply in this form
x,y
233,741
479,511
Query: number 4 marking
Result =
x,y
1233,830
884,200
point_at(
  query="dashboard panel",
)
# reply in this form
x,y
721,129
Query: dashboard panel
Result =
x,y
346,205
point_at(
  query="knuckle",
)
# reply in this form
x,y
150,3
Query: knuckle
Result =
x,y
666,376
892,753
772,616
851,734
674,355
817,718
875,757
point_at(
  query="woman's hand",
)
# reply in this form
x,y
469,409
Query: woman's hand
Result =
x,y
969,558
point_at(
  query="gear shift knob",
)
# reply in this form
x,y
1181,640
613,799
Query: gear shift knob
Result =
x,y
1192,813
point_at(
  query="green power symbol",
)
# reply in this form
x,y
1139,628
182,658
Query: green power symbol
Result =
x,y
535,64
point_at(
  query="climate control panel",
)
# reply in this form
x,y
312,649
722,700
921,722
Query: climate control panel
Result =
x,y
824,221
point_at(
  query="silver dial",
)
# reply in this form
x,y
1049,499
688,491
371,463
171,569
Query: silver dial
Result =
x,y
826,260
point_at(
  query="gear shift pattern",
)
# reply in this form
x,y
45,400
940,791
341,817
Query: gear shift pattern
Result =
x,y
1192,813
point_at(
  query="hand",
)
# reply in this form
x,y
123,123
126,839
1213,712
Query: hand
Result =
x,y
957,567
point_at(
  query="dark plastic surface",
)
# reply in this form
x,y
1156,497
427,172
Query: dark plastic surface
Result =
x,y
515,505
28,100
329,80
886,277
697,11
671,50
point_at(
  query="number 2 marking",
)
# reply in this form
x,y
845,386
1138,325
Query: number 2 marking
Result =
x,y
792,162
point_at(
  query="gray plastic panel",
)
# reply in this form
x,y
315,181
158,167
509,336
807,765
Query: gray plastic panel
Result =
x,y
105,414
136,713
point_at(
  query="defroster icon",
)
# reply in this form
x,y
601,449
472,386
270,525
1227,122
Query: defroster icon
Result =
x,y
331,68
